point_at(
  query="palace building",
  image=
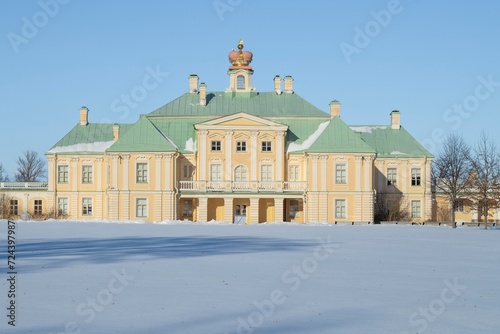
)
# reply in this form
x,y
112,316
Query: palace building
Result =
x,y
237,155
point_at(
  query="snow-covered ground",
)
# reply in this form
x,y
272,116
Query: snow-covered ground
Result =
x,y
88,277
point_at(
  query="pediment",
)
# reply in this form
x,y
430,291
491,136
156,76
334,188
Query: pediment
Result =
x,y
240,121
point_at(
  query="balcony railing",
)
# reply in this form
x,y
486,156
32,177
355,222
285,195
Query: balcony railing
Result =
x,y
24,185
243,186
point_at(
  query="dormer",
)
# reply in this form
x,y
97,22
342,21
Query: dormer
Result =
x,y
240,73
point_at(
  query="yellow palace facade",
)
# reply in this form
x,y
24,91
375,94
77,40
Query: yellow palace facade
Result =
x,y
239,156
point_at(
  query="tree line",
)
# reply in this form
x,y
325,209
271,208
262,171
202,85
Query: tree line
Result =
x,y
464,172
31,167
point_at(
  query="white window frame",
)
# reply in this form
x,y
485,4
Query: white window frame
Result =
x,y
416,209
216,172
341,173
241,146
240,174
62,206
266,173
416,177
266,146
294,173
62,174
87,209
141,174
87,174
240,82
392,176
340,208
216,146
37,206
141,207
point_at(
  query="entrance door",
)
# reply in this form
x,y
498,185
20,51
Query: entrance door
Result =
x,y
240,214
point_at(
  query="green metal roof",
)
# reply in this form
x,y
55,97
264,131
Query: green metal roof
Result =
x,y
180,130
264,104
90,138
337,137
143,136
392,143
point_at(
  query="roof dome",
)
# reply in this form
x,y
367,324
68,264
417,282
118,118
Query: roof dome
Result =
x,y
240,58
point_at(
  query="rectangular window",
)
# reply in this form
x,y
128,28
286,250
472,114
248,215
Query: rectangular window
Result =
x,y
62,206
241,146
142,173
340,208
415,176
415,209
216,172
216,145
13,207
266,146
187,209
86,174
141,207
459,205
266,173
37,209
87,206
62,174
294,173
392,176
187,172
341,174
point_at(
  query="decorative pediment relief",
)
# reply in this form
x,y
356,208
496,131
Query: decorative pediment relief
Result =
x,y
240,121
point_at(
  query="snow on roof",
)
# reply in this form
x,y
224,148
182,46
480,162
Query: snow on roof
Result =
x,y
99,146
367,128
190,145
292,147
398,153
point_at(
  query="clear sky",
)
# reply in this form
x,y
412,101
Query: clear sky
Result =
x,y
436,62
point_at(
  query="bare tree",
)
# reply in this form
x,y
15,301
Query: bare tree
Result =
x,y
450,171
3,174
390,207
30,167
484,180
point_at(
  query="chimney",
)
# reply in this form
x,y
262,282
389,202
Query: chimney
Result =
x,y
395,120
277,84
193,83
84,116
334,108
116,132
288,84
203,94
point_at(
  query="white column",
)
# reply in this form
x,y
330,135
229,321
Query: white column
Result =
x,y
168,173
324,160
229,151
228,209
51,166
203,155
126,158
254,210
253,155
74,174
358,173
114,179
278,210
380,176
314,173
158,175
404,175
368,170
279,155
202,209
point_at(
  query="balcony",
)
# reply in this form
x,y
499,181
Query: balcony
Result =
x,y
24,185
245,186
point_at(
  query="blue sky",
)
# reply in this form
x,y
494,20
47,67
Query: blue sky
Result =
x,y
435,62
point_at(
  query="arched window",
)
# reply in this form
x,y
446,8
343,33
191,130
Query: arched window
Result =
x,y
240,174
240,82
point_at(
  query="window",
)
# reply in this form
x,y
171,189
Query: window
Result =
x,y
141,207
241,146
13,207
341,174
266,173
216,145
340,208
62,206
216,172
37,209
240,174
87,206
62,174
392,176
415,209
86,174
415,176
187,172
294,209
266,146
240,82
294,173
459,205
142,173
187,209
